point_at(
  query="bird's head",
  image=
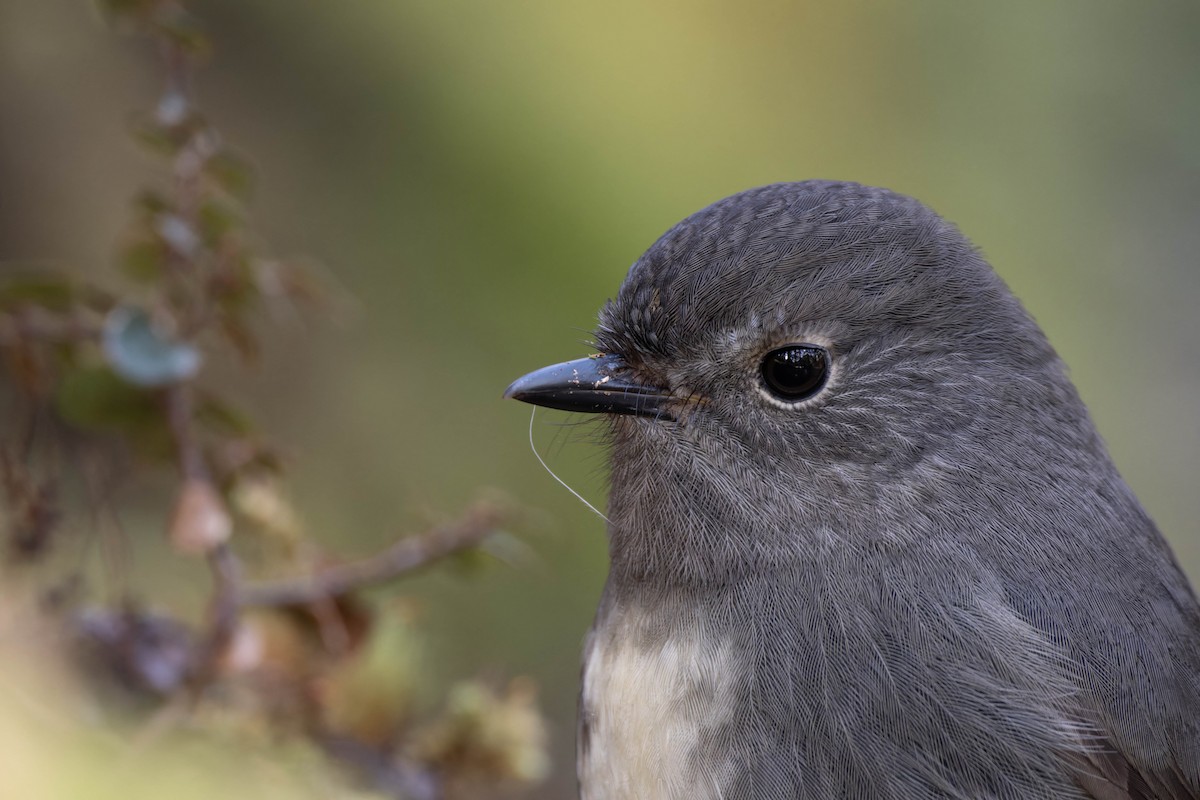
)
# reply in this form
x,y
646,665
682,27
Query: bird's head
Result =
x,y
804,362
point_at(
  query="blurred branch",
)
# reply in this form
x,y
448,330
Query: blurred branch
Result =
x,y
380,769
405,556
123,370
36,325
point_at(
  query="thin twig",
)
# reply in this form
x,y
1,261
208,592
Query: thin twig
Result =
x,y
223,563
226,569
405,556
180,402
35,325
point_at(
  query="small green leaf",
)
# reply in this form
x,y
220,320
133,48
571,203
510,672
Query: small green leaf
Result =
x,y
291,281
509,549
144,258
238,334
154,137
49,291
469,563
151,203
143,353
216,220
162,139
231,172
183,29
216,415
233,287
94,398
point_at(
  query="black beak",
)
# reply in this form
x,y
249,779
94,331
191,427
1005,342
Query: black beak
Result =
x,y
592,385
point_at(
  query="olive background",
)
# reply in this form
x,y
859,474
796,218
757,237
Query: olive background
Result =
x,y
476,177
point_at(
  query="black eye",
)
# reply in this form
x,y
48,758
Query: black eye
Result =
x,y
795,372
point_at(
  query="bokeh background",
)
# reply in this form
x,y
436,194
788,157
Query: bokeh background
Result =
x,y
479,175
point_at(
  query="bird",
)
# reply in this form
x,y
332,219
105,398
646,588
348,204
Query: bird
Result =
x,y
864,538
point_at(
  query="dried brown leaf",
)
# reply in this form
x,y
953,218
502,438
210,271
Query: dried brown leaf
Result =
x,y
200,521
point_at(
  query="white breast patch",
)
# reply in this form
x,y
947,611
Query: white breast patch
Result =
x,y
647,709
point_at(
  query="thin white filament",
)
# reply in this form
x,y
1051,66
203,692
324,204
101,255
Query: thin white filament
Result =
x,y
563,483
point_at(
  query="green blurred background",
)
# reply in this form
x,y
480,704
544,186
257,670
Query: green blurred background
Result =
x,y
479,175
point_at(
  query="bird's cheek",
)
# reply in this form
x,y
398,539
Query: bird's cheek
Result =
x,y
632,434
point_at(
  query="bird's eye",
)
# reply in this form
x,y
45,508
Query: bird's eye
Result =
x,y
796,372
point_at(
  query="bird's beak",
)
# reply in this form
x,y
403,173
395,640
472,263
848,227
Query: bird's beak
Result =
x,y
592,385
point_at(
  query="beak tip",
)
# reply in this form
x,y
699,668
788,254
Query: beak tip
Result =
x,y
513,392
